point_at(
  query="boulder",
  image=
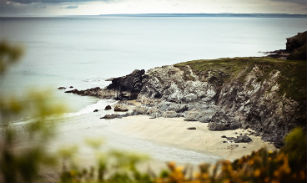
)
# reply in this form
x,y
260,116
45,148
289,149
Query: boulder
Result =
x,y
96,110
108,107
191,116
120,108
221,121
169,114
61,88
242,139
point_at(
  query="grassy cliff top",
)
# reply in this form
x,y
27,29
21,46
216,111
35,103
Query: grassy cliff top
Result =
x,y
293,72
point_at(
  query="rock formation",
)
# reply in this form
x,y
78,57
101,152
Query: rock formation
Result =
x,y
295,48
265,94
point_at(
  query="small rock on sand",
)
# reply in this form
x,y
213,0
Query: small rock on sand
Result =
x,y
191,128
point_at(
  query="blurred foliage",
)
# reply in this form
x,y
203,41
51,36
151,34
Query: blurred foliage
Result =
x,y
282,166
9,54
17,163
112,167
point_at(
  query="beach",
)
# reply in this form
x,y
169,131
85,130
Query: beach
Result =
x,y
175,132
162,139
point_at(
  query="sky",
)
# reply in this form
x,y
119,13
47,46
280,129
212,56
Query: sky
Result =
x,y
96,7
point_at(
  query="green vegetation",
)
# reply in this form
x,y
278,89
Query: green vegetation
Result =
x,y
9,54
24,164
292,80
112,167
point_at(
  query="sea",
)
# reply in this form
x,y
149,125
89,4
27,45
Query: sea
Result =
x,y
83,51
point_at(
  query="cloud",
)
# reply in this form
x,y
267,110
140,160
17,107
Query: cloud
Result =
x,y
54,1
293,1
71,7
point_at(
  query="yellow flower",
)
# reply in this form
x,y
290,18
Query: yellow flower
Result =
x,y
257,173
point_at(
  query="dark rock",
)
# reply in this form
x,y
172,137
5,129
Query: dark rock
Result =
x,y
295,48
223,136
221,121
296,41
224,141
96,110
61,88
120,108
128,86
71,87
111,116
88,92
108,107
242,139
191,128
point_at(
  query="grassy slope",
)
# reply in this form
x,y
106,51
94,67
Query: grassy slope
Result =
x,y
292,80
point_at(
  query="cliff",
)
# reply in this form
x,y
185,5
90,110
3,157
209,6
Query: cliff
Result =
x,y
266,94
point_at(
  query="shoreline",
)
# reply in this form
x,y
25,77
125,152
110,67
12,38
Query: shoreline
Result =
x,y
174,132
157,138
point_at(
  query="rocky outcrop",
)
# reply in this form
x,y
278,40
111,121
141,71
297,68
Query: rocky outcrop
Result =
x,y
239,139
128,86
113,116
295,48
95,92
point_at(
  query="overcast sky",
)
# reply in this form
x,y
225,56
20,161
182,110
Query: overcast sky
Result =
x,y
95,7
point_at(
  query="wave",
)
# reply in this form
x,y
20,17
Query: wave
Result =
x,y
100,105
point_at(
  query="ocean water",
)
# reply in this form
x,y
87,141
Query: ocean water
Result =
x,y
84,51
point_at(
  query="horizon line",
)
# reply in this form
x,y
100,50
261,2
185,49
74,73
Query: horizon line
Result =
x,y
173,15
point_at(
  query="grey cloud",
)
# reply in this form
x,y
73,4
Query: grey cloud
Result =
x,y
304,2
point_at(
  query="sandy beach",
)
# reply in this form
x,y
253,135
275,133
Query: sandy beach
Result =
x,y
174,132
163,139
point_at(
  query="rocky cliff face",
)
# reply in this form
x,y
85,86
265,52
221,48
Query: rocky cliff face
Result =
x,y
267,95
295,48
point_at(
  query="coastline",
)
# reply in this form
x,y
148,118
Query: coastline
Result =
x,y
158,138
174,132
